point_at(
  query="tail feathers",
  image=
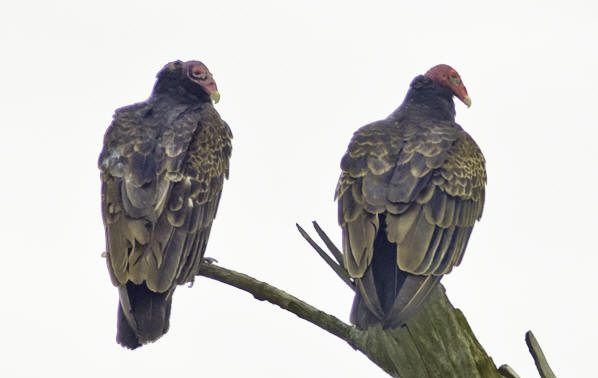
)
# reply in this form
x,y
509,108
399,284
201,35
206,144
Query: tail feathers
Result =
x,y
361,315
386,294
125,334
413,293
143,315
408,300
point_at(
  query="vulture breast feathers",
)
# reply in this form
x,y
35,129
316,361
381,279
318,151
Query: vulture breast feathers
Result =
x,y
162,166
410,191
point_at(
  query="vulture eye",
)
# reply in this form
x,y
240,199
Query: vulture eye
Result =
x,y
455,80
199,72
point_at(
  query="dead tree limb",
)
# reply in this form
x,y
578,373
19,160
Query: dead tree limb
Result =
x,y
538,355
265,292
438,342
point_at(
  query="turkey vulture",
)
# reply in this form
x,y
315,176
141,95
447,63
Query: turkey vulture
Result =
x,y
162,169
410,191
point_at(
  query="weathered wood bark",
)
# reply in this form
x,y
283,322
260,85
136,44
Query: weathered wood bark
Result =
x,y
539,358
438,342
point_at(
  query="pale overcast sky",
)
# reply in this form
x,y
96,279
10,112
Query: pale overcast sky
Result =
x,y
296,79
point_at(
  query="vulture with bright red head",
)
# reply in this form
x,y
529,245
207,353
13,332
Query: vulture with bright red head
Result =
x,y
162,167
410,191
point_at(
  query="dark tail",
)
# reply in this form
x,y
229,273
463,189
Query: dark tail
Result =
x,y
143,315
361,315
385,294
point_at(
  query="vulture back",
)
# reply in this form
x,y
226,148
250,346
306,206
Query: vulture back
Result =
x,y
410,191
163,167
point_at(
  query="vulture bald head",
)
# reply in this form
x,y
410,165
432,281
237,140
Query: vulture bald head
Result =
x,y
192,79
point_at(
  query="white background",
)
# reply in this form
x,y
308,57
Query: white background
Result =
x,y
296,78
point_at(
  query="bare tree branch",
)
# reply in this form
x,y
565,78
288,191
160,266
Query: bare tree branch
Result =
x,y
438,342
401,352
539,358
265,292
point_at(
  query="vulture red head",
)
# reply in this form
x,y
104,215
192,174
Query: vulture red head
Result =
x,y
192,75
446,76
198,73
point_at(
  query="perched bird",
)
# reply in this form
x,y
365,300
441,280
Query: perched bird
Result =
x,y
162,167
410,191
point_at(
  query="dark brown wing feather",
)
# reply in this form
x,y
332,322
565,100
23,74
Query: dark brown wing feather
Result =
x,y
162,179
421,187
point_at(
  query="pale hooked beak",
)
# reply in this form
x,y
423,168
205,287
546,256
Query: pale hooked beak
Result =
x,y
210,87
466,100
215,96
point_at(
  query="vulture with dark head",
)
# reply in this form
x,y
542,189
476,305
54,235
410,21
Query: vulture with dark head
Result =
x,y
162,167
410,191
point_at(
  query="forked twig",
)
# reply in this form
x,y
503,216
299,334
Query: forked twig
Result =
x,y
337,267
338,255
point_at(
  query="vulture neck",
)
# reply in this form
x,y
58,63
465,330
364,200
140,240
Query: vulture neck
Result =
x,y
427,99
173,90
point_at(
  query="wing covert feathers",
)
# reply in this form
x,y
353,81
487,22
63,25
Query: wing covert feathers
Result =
x,y
162,178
